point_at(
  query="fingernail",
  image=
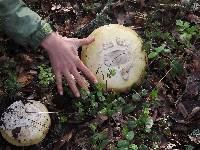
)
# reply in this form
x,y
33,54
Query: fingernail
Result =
x,y
61,93
91,37
95,81
77,95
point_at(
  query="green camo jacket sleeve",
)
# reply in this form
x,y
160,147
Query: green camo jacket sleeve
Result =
x,y
22,24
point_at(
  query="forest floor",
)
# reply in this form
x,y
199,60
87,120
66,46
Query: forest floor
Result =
x,y
162,113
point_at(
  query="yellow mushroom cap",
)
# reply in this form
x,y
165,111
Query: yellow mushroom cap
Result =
x,y
116,48
23,124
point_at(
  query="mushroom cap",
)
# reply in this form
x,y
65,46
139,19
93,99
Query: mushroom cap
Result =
x,y
23,125
116,48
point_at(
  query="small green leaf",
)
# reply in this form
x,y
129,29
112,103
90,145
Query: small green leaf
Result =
x,y
147,130
153,55
179,22
93,127
125,130
143,147
130,135
177,67
103,144
160,49
154,93
132,124
189,147
136,97
143,92
112,72
133,147
128,108
63,119
163,63
166,50
122,143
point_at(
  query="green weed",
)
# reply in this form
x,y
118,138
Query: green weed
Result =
x,y
189,147
45,75
187,32
161,49
11,85
176,67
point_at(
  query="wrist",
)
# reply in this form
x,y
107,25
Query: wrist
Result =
x,y
49,41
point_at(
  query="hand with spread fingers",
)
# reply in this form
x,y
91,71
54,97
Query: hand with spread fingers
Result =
x,y
66,62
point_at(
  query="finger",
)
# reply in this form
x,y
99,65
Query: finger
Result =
x,y
75,50
85,41
79,79
87,72
70,39
59,83
71,83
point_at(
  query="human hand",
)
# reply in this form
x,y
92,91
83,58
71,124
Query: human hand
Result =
x,y
66,62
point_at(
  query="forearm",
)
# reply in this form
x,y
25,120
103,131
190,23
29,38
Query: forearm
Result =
x,y
22,24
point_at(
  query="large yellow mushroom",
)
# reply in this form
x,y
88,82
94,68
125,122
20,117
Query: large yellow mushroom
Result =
x,y
25,123
116,49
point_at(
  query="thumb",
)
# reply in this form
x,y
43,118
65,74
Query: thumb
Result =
x,y
84,41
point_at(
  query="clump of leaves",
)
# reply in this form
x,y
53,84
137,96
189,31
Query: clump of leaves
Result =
x,y
45,75
189,147
134,130
97,102
99,139
63,118
195,133
8,73
155,53
176,67
138,128
187,32
10,84
112,72
127,142
145,120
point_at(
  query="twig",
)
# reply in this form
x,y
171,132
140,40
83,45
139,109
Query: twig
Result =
x,y
167,6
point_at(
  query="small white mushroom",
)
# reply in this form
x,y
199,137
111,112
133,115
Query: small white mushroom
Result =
x,y
118,48
25,123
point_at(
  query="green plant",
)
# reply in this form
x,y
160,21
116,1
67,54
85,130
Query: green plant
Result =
x,y
97,102
45,75
176,67
136,97
112,72
195,133
10,84
143,92
156,52
144,120
126,143
63,119
189,147
187,31
142,125
99,140
154,93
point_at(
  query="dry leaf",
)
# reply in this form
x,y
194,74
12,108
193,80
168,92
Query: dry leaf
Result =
x,y
25,79
182,109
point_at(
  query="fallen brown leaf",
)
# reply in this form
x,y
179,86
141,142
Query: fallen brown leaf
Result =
x,y
182,109
63,140
25,79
